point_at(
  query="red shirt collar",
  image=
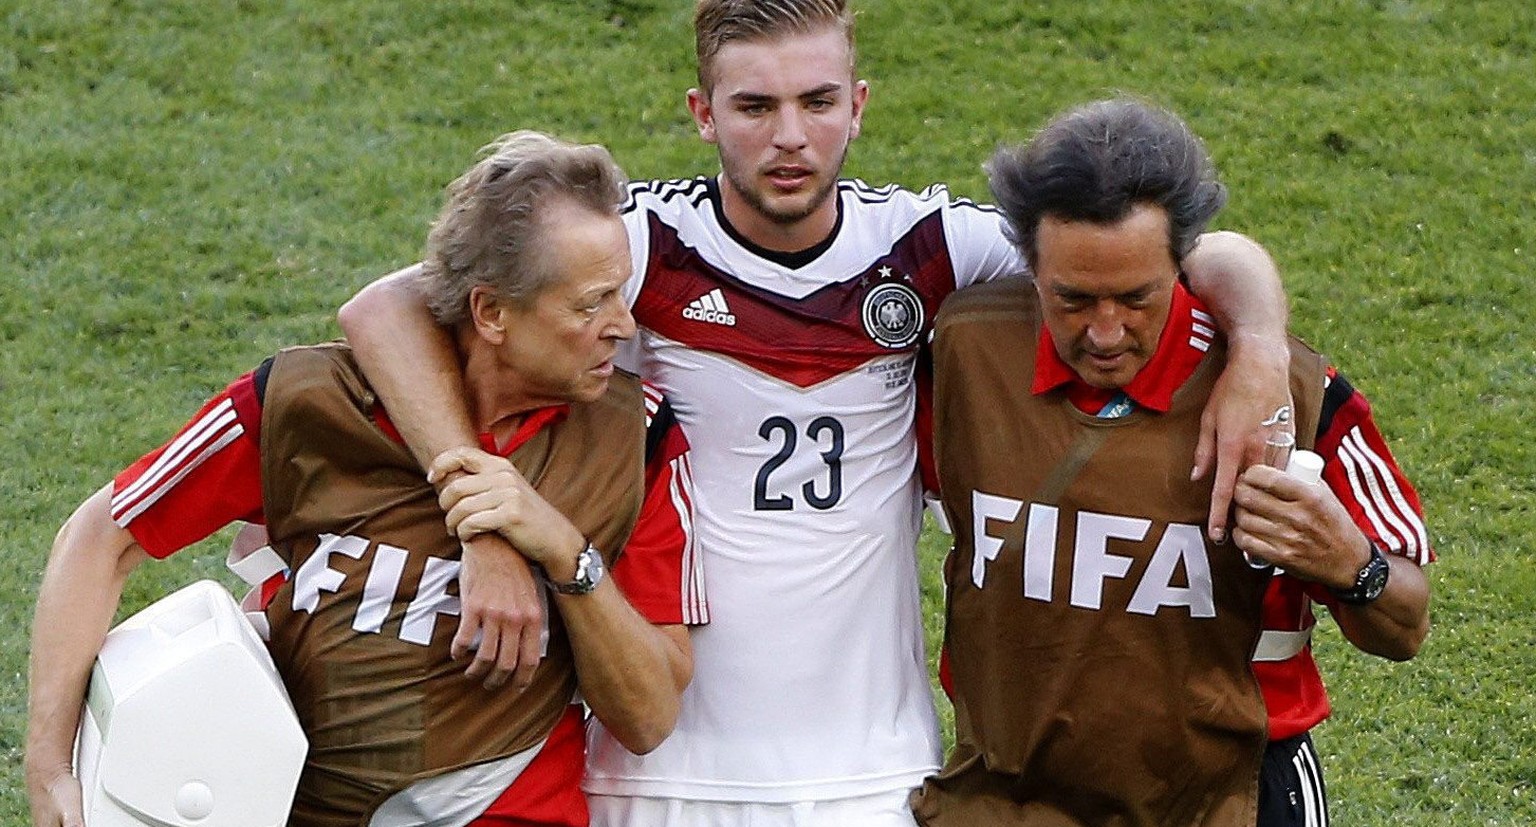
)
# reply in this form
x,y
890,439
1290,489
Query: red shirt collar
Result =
x,y
535,421
1186,337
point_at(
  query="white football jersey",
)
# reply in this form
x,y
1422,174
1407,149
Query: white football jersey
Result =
x,y
793,377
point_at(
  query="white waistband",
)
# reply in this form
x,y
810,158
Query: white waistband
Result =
x,y
251,558
1275,645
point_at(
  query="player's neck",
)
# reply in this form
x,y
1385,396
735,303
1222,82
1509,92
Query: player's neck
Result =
x,y
774,235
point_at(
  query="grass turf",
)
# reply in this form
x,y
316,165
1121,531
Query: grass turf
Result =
x,y
186,186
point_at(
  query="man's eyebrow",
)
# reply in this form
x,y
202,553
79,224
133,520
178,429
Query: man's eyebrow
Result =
x,y
824,89
1067,292
763,97
751,97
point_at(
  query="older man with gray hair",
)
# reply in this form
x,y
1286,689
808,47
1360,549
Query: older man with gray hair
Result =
x,y
525,264
1098,642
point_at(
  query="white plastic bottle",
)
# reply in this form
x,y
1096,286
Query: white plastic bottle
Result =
x,y
1306,466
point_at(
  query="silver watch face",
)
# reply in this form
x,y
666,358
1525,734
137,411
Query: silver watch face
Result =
x,y
1375,580
589,572
596,568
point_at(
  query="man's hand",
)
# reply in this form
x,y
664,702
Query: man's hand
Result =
x,y
1303,529
492,496
503,524
1307,532
55,797
501,614
1255,384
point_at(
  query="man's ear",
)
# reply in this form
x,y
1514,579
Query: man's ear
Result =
x,y
703,114
488,312
860,97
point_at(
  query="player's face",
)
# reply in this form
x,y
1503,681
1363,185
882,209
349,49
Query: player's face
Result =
x,y
781,112
1105,291
559,345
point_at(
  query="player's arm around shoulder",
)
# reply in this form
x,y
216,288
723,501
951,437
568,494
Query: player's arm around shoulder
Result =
x,y
411,362
1239,282
87,567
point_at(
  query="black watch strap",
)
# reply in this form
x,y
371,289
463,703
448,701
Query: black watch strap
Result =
x,y
1370,581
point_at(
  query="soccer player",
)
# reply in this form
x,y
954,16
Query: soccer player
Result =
x,y
1098,644
781,308
525,265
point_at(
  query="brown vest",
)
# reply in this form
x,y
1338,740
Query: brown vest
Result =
x,y
1099,644
361,634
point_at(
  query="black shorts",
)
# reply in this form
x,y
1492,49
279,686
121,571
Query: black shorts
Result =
x,y
1291,792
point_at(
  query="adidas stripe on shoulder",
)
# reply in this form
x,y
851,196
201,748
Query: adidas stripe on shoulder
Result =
x,y
661,191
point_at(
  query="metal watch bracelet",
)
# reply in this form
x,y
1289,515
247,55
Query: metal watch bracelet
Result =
x,y
589,573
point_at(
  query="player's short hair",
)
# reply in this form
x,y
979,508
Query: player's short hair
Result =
x,y
489,231
718,22
1100,160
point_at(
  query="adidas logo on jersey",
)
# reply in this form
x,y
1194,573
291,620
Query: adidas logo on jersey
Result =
x,y
710,307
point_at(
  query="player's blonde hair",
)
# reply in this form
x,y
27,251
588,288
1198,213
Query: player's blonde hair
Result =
x,y
489,232
718,22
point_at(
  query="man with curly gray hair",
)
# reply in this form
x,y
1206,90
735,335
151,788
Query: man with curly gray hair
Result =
x,y
1098,644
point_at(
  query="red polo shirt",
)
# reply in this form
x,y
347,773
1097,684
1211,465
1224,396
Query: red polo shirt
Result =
x,y
1186,336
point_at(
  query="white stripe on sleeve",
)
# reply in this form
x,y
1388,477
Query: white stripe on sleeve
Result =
x,y
1382,496
695,608
201,440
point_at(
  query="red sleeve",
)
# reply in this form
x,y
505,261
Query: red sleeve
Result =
x,y
660,571
1363,474
206,477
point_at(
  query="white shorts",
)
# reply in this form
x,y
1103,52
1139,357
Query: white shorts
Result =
x,y
888,809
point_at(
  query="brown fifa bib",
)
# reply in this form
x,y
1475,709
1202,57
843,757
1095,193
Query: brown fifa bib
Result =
x,y
1099,644
361,630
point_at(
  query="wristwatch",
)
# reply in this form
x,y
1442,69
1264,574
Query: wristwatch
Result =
x,y
1370,582
589,572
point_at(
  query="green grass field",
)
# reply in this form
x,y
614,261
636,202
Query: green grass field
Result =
x,y
186,186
